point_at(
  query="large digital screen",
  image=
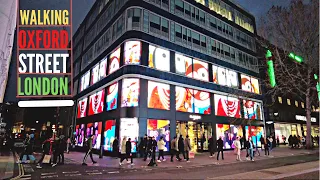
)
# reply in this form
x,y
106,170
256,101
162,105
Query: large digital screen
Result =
x,y
77,134
129,128
255,133
96,102
159,58
97,128
130,92
184,99
82,108
132,52
200,70
225,77
201,101
183,65
112,96
250,84
223,131
80,138
103,68
232,79
227,106
95,74
236,131
89,131
109,134
252,110
158,95
259,132
114,61
85,81
159,128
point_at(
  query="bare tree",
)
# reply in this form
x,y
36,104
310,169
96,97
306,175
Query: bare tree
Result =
x,y
294,29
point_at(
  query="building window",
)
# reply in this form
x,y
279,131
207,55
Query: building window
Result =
x,y
280,100
296,103
313,108
288,102
302,104
154,23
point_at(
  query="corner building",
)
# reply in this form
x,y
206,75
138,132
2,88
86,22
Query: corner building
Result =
x,y
166,68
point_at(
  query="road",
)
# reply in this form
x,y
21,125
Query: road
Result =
x,y
276,168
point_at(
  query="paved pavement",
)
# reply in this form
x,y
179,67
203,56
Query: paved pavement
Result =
x,y
6,164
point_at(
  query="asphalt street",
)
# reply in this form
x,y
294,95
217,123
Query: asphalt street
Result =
x,y
74,170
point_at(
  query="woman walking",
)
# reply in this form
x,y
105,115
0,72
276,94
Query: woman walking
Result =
x,y
123,151
187,147
161,145
251,147
237,145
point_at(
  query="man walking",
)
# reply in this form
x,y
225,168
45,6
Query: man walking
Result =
x,y
89,152
187,147
211,146
174,149
115,147
220,148
181,146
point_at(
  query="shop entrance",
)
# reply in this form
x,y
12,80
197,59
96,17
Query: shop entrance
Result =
x,y
199,134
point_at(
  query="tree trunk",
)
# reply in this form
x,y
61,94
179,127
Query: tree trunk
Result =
x,y
308,115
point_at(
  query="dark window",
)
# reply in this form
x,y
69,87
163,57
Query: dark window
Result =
x,y
165,25
195,38
178,31
187,9
179,5
154,21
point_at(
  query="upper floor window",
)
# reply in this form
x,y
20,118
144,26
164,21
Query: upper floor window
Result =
x,y
302,104
288,102
280,100
296,103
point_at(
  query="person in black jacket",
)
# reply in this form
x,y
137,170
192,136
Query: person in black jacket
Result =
x,y
153,149
115,147
62,147
145,144
220,148
181,146
141,149
128,150
211,147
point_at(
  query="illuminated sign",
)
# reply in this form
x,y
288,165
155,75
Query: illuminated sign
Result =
x,y
303,118
195,117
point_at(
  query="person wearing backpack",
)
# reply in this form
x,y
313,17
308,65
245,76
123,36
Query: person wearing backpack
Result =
x,y
89,152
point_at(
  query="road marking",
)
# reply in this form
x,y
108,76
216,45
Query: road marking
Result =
x,y
70,172
92,171
95,173
113,172
73,175
46,177
25,178
26,175
44,174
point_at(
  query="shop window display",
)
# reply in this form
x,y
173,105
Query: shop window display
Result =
x,y
97,128
159,128
129,128
158,95
223,131
201,102
236,131
112,96
255,132
109,134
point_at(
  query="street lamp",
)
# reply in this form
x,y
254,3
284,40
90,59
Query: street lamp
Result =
x,y
37,122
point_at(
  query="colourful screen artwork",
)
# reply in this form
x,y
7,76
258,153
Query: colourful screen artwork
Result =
x,y
159,128
89,131
129,128
200,70
158,95
114,61
219,75
255,133
201,102
227,106
223,131
252,110
232,78
97,128
260,133
250,84
130,92
255,85
236,131
112,96
81,135
96,103
77,133
103,68
159,58
184,99
132,52
95,74
85,81
109,134
183,65
82,108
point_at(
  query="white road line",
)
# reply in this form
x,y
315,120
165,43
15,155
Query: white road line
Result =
x,y
44,174
90,171
113,172
95,173
73,175
26,178
46,177
71,172
26,175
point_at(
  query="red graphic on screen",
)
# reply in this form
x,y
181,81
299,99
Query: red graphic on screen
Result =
x,y
96,103
82,108
227,106
158,95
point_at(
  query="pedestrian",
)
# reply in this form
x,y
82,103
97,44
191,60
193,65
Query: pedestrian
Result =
x,y
290,140
153,152
237,145
128,154
115,147
141,148
303,141
284,139
89,151
295,141
266,146
211,146
161,145
25,145
145,147
46,146
278,141
123,151
251,147
174,149
220,148
68,144
262,142
187,147
299,141
62,148
181,146
149,148
271,143
247,145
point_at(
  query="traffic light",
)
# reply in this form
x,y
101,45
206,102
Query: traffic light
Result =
x,y
296,58
270,68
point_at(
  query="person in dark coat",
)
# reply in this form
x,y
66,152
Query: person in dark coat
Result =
x,y
62,148
144,146
128,150
153,149
141,148
211,146
290,140
181,146
220,148
115,147
26,144
266,146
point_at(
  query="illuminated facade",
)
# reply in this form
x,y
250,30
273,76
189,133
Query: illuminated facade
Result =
x,y
166,68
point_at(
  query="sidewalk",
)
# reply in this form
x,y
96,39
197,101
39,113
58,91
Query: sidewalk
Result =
x,y
6,165
201,159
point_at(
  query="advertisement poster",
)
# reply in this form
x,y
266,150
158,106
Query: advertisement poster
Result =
x,y
227,106
158,95
223,131
252,110
95,74
82,108
159,58
232,79
130,92
255,132
96,103
114,61
184,99
109,134
103,68
129,128
89,131
200,70
183,65
159,128
250,84
236,131
97,129
219,75
132,52
201,101
77,133
112,96
255,85
85,81
81,135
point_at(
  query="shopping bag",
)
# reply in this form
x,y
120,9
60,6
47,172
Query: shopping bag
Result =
x,y
46,159
191,154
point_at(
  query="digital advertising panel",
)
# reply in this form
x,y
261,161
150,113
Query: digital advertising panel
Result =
x,y
252,110
89,131
159,58
183,65
82,108
130,92
103,68
223,131
250,84
112,96
232,79
201,101
129,128
97,129
95,74
158,95
81,135
96,103
85,81
184,99
227,106
114,63
200,70
255,85
159,128
236,131
132,52
255,132
109,134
